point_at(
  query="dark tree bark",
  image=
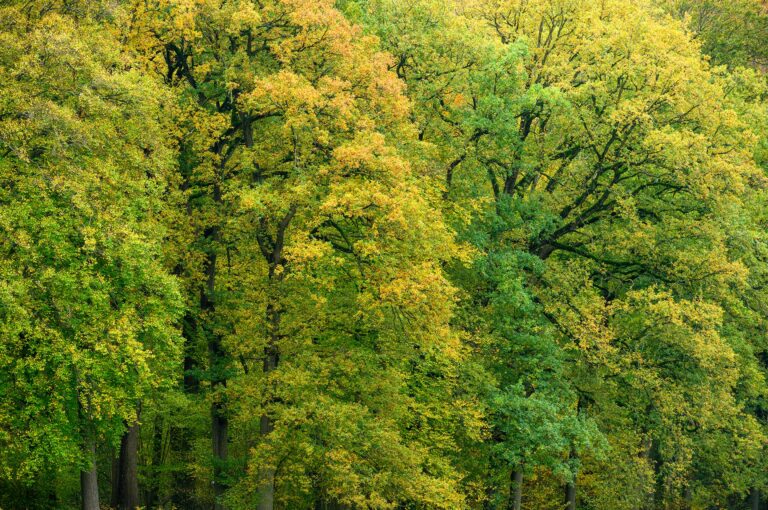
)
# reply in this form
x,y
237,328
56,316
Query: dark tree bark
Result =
x,y
570,495
216,351
754,499
217,356
128,481
220,438
183,483
89,480
516,490
115,479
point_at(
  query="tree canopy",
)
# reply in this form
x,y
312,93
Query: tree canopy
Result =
x,y
375,254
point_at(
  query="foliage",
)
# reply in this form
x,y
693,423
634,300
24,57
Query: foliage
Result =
x,y
380,254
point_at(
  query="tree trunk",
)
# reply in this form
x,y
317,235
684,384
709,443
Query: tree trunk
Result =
x,y
272,249
89,480
570,495
516,490
687,498
218,365
271,359
115,479
128,481
659,485
754,499
220,437
183,493
152,489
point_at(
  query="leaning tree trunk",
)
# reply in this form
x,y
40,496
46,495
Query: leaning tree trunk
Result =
x,y
127,480
89,479
754,499
516,490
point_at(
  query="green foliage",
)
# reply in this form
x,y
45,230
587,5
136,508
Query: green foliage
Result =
x,y
87,311
380,254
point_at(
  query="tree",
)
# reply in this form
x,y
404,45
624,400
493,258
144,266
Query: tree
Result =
x,y
333,250
87,310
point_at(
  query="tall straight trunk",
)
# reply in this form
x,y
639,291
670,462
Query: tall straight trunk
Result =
x,y
115,479
271,359
217,360
570,495
659,485
128,481
183,493
158,459
516,490
219,437
216,351
272,249
754,499
89,479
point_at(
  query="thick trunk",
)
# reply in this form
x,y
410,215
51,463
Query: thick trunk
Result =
x,y
128,481
754,499
89,480
570,495
516,490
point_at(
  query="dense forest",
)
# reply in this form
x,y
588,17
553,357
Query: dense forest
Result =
x,y
384,254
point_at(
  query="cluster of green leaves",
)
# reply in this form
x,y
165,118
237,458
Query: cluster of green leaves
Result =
x,y
87,310
380,254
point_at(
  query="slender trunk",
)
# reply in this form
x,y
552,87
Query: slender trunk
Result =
x,y
115,479
687,498
158,459
516,490
570,486
754,499
128,481
659,489
218,362
89,479
326,504
272,249
220,436
183,494
219,425
271,359
570,495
